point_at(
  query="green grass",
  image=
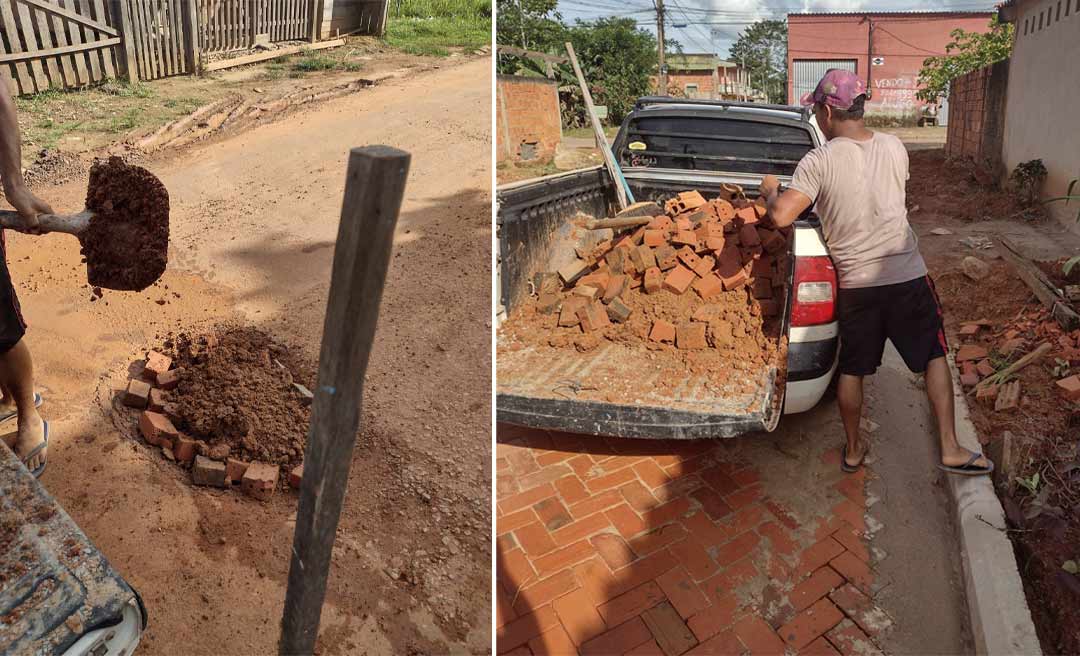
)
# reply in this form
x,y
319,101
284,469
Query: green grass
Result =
x,y
432,27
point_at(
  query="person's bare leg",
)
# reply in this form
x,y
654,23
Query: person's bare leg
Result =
x,y
7,401
17,375
940,392
849,396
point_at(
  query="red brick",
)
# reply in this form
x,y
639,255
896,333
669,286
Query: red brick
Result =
x,y
716,618
548,458
596,503
639,498
626,521
526,498
758,636
156,364
593,317
168,380
137,395
260,480
647,648
682,592
657,539
708,286
861,609
691,553
855,571
655,237
619,640
630,604
157,400
853,543
641,571
541,592
688,257
525,628
565,557
819,647
662,331
721,644
296,475
666,257
503,524
779,539
650,473
970,352
746,476
744,497
205,471
156,429
581,465
184,448
597,279
580,529
614,479
668,629
552,513
578,615
747,518
729,578
553,642
514,570
571,489
534,539
678,280
711,503
811,624
850,640
690,336
820,583
737,548
820,553
678,488
613,549
1069,388
504,609
684,238
705,530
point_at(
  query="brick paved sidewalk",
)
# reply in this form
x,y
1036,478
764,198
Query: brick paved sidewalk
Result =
x,y
610,546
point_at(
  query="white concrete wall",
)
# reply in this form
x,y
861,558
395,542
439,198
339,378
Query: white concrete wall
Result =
x,y
1042,107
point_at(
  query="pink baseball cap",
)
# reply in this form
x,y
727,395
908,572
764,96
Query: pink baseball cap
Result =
x,y
838,88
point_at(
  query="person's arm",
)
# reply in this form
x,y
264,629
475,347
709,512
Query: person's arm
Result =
x,y
783,208
25,203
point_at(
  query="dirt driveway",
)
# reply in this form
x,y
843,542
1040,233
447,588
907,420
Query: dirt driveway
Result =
x,y
253,224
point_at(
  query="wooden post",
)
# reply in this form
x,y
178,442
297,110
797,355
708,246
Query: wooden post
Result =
x,y
374,187
121,10
622,189
192,52
316,19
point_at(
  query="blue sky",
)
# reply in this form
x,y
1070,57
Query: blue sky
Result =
x,y
713,25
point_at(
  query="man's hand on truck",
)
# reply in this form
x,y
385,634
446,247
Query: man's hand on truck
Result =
x,y
783,208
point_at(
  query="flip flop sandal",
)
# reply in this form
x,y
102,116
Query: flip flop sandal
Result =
x,y
969,468
36,450
4,416
845,467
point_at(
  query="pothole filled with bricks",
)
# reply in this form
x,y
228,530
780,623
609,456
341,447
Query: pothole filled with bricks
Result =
x,y
230,405
701,286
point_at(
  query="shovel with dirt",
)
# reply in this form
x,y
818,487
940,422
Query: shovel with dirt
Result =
x,y
124,230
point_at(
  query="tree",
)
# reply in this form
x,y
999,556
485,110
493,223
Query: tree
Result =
x,y
762,50
617,60
529,24
968,51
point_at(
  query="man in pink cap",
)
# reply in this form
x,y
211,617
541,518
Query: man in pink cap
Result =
x,y
856,184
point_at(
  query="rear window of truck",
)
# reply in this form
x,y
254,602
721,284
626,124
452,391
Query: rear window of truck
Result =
x,y
714,144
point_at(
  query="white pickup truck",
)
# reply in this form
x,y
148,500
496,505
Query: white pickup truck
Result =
x,y
666,146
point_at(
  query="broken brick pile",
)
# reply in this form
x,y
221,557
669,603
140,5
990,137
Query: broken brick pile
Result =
x,y
985,352
705,276
216,411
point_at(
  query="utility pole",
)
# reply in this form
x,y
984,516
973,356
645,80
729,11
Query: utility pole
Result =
x,y
662,77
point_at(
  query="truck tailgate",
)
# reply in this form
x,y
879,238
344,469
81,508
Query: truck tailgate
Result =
x,y
566,390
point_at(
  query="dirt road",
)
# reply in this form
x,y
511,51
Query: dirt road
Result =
x,y
253,224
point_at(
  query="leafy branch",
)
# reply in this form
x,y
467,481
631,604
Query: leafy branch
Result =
x,y
968,51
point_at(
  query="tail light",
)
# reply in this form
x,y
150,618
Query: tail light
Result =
x,y
814,300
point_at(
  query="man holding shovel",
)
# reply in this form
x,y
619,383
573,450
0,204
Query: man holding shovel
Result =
x,y
16,367
856,183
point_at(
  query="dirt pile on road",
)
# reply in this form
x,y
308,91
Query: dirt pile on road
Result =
x,y
238,388
961,189
126,244
703,284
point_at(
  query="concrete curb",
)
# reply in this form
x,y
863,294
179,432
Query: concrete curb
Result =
x,y
1000,619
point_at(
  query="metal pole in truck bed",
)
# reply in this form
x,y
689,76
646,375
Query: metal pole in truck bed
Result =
x,y
374,187
626,197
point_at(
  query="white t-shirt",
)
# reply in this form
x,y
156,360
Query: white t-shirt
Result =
x,y
858,189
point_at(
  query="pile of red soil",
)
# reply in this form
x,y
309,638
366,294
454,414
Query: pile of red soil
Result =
x,y
237,392
126,244
716,310
961,189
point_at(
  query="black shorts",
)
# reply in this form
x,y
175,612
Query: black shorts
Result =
x,y
908,314
12,326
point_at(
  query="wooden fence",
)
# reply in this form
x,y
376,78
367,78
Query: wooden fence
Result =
x,y
56,44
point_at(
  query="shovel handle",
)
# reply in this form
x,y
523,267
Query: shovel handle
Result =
x,y
620,222
72,224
